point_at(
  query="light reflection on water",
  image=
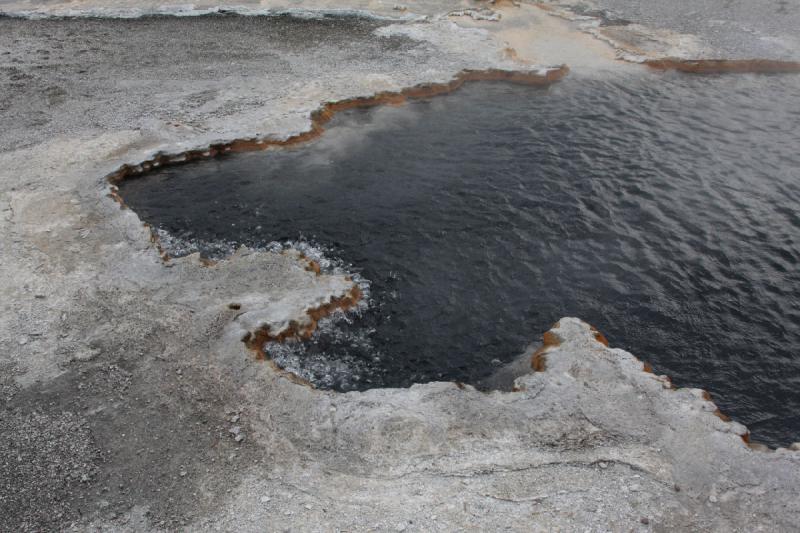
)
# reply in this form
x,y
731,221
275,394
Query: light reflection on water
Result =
x,y
664,210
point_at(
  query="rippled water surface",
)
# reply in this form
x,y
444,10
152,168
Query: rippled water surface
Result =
x,y
664,210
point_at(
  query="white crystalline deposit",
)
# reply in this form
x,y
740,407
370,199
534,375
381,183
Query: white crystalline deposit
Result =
x,y
128,369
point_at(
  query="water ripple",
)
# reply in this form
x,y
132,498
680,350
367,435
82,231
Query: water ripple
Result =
x,y
664,209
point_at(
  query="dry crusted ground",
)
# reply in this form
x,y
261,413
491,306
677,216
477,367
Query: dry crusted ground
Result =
x,y
128,399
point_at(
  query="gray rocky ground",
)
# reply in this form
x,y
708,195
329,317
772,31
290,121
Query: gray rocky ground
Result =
x,y
742,29
129,401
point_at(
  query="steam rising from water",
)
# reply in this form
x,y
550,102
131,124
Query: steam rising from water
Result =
x,y
663,210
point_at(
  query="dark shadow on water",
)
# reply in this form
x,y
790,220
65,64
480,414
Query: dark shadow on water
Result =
x,y
664,210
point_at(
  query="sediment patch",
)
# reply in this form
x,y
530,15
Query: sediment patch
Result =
x,y
296,330
725,66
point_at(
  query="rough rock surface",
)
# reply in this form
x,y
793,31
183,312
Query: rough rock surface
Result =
x,y
128,399
752,29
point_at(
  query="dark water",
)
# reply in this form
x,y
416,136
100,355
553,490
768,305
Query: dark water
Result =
x,y
664,210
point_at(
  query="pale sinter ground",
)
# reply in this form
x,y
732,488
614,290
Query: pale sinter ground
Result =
x,y
125,383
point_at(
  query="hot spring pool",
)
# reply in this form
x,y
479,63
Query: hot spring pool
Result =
x,y
663,209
